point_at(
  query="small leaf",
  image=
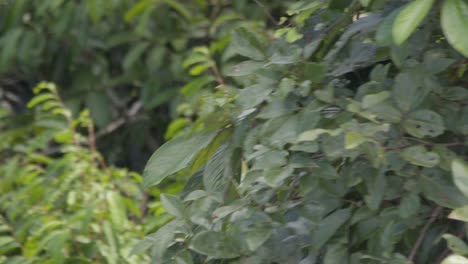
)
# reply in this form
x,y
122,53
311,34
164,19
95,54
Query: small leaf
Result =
x,y
460,175
454,21
409,19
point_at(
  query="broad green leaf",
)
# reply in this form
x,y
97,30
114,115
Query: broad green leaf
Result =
x,y
328,227
455,259
159,241
420,156
256,237
409,19
454,21
457,245
245,68
216,245
460,175
384,36
215,179
353,140
246,44
224,211
252,96
174,156
409,205
173,205
408,91
442,192
376,185
424,123
374,99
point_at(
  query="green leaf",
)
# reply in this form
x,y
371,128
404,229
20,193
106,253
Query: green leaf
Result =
x,y
353,140
454,21
216,245
174,156
418,155
159,241
376,185
408,91
457,245
255,238
117,210
460,214
365,3
409,205
245,68
409,19
252,96
328,227
384,36
374,99
173,205
455,259
424,123
460,175
442,192
246,44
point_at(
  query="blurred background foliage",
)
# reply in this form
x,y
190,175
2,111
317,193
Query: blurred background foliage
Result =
x,y
121,59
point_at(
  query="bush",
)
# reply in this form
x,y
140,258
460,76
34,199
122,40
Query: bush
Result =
x,y
339,138
60,202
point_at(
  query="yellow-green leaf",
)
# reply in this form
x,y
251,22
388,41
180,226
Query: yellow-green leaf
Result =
x,y
454,20
409,19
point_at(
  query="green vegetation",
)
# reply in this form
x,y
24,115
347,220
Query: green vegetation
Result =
x,y
314,131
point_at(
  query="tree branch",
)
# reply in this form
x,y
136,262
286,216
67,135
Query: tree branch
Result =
x,y
434,215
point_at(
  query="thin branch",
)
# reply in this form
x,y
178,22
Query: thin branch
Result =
x,y
92,146
434,215
116,124
266,11
217,73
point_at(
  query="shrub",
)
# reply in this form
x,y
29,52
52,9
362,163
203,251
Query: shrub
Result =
x,y
339,138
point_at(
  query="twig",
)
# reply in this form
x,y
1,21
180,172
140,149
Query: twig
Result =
x,y
266,11
92,145
217,73
450,144
434,215
114,125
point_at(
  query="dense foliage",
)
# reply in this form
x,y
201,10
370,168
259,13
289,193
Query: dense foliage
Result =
x,y
59,202
339,137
